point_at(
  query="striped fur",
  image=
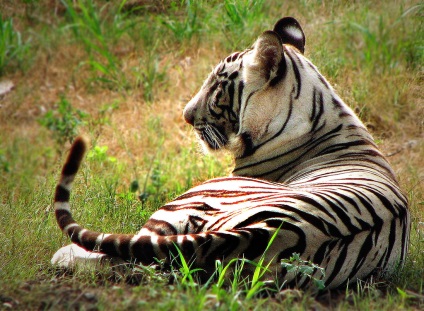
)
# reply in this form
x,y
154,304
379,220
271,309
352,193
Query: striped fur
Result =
x,y
305,167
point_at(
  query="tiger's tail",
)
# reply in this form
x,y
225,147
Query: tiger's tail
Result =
x,y
63,189
147,249
89,240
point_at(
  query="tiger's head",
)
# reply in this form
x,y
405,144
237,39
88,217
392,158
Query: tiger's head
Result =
x,y
244,100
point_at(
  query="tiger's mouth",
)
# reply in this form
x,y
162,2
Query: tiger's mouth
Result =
x,y
214,137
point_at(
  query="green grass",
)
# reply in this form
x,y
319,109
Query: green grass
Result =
x,y
129,71
14,52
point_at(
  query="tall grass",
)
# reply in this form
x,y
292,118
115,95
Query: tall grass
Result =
x,y
186,25
99,30
14,51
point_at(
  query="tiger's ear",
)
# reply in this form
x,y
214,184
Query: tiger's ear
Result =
x,y
290,32
268,53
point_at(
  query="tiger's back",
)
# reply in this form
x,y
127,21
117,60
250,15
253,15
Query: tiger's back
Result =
x,y
306,170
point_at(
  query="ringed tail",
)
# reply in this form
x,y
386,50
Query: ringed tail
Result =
x,y
125,246
89,240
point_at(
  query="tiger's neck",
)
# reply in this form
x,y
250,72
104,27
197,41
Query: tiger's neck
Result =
x,y
340,145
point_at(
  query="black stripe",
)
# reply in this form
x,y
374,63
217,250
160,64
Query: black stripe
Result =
x,y
225,247
187,248
87,240
204,243
314,104
239,99
143,249
280,130
281,72
260,217
61,194
392,240
296,74
320,112
258,241
312,202
341,259
322,251
312,143
307,217
160,227
248,145
367,247
63,218
195,224
74,158
108,246
338,209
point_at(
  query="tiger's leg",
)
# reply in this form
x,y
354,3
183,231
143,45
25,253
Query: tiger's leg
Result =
x,y
202,250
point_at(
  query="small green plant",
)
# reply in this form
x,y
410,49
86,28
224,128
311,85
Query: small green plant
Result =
x,y
250,287
4,163
303,268
186,270
240,12
150,73
12,48
239,19
99,153
63,122
257,285
153,185
379,49
98,35
102,119
186,27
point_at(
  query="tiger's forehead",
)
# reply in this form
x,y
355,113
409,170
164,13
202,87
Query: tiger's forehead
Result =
x,y
229,66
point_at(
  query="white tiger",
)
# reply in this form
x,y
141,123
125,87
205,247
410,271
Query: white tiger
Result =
x,y
306,170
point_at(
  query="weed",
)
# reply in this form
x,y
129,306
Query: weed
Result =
x,y
153,185
256,284
242,12
12,48
63,123
186,271
98,36
241,285
99,154
185,27
150,74
303,268
4,163
240,17
404,296
96,124
373,44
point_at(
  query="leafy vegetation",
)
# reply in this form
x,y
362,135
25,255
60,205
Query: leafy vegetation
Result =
x,y
63,122
120,73
296,265
13,50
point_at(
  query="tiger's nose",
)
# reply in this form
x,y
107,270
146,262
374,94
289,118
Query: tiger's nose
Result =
x,y
189,113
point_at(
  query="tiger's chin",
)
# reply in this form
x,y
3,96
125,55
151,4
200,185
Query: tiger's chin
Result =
x,y
235,146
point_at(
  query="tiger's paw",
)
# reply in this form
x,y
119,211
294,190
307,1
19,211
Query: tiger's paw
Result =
x,y
73,255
